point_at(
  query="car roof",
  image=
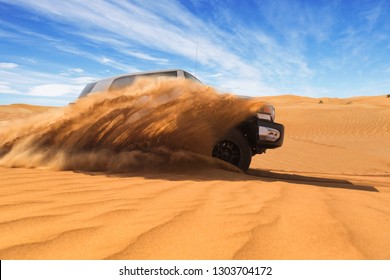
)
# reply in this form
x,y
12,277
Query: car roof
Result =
x,y
141,73
105,83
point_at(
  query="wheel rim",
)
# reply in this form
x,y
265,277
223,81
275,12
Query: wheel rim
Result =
x,y
227,151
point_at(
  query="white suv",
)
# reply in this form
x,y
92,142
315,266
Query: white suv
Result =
x,y
253,136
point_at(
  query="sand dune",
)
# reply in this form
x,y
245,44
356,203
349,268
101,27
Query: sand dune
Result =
x,y
324,195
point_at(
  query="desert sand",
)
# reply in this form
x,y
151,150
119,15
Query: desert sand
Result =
x,y
324,195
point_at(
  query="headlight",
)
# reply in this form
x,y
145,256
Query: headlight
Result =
x,y
266,112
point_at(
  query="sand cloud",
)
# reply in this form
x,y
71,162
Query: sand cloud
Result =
x,y
164,124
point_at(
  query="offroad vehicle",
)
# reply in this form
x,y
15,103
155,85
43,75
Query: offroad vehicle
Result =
x,y
239,145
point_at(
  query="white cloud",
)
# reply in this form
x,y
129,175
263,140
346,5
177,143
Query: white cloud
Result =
x,y
42,84
84,80
146,56
72,72
76,70
372,15
5,34
115,64
5,88
29,60
8,65
51,90
100,59
106,60
215,75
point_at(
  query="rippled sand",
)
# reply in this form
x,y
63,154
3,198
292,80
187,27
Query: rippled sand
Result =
x,y
324,195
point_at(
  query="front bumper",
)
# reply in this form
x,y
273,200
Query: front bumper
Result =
x,y
270,135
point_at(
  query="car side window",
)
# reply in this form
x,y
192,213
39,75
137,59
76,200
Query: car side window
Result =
x,y
122,82
159,75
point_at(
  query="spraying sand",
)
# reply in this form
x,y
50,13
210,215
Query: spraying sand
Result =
x,y
152,124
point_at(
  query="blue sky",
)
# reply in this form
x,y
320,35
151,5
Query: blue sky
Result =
x,y
50,49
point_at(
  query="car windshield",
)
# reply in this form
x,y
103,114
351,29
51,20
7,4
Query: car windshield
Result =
x,y
191,77
122,82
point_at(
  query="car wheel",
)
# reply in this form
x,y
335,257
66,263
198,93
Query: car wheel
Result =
x,y
235,149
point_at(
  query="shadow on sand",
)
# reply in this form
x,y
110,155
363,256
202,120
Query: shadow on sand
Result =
x,y
202,175
309,180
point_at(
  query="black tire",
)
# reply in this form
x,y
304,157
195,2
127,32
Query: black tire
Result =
x,y
234,149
